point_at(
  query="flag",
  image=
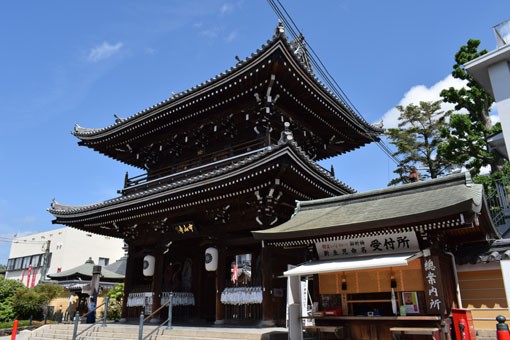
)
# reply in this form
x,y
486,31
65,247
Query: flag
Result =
x,y
29,271
235,271
22,275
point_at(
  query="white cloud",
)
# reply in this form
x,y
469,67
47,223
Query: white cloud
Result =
x,y
104,51
226,8
211,33
231,37
150,50
420,93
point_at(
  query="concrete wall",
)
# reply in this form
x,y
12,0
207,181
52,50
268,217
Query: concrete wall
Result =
x,y
68,247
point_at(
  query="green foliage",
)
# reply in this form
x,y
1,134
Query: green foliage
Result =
x,y
28,303
17,301
49,291
22,323
417,138
31,302
8,290
466,145
7,312
115,303
466,141
502,175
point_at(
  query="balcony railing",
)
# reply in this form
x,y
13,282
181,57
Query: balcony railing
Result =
x,y
201,164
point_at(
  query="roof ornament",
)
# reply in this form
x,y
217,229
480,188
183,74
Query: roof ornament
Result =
x,y
280,29
118,119
286,135
298,45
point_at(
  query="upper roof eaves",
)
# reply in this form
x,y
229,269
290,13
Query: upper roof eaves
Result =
x,y
58,209
279,37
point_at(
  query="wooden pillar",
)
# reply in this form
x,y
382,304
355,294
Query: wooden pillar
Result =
x,y
128,280
157,280
220,286
267,288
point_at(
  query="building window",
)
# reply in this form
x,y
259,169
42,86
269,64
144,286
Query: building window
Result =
x,y
103,261
10,264
25,261
17,264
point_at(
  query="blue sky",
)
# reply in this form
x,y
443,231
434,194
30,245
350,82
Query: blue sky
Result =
x,y
68,62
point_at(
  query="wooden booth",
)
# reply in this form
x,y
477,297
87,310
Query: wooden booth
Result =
x,y
380,263
224,158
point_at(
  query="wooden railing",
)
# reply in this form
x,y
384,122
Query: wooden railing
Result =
x,y
193,167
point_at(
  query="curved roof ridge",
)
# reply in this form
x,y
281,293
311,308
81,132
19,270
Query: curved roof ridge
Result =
x,y
455,179
68,209
61,209
80,131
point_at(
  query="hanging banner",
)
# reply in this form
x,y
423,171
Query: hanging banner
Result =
x,y
34,274
29,271
387,244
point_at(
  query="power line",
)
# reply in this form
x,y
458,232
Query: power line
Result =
x,y
319,66
13,240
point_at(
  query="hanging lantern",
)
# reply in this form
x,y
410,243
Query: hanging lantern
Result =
x,y
344,283
149,262
211,259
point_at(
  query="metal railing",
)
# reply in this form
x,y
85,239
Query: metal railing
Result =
x,y
77,319
499,205
168,321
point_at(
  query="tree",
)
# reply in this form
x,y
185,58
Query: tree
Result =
x,y
48,291
8,290
28,303
115,303
466,141
417,138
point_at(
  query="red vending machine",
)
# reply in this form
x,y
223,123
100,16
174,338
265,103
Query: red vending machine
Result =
x,y
463,324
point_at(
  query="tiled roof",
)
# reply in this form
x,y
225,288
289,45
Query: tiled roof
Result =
x,y
405,205
62,210
85,133
496,250
85,271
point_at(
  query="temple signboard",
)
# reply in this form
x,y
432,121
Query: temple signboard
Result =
x,y
405,242
185,229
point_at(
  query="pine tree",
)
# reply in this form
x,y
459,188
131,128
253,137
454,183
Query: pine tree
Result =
x,y
417,138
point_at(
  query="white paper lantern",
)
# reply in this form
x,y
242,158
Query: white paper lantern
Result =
x,y
211,259
149,262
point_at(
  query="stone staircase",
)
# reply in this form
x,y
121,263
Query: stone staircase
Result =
x,y
127,332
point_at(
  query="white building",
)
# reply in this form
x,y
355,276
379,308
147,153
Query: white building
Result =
x,y
492,72
33,256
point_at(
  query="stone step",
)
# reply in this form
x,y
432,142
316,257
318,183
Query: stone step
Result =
x,y
130,332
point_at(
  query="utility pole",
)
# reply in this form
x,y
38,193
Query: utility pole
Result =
x,y
46,260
